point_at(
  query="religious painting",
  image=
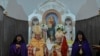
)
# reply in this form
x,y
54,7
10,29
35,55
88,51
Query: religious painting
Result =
x,y
35,21
51,22
69,30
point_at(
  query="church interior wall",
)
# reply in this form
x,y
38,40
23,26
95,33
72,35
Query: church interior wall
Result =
x,y
1,29
91,29
13,27
9,27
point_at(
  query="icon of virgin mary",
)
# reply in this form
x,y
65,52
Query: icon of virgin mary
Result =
x,y
51,28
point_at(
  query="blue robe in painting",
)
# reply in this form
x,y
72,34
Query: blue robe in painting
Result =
x,y
85,47
18,52
51,32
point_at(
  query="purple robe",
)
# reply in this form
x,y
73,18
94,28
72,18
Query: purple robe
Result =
x,y
85,47
22,51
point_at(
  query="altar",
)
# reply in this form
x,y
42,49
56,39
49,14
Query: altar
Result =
x,y
51,15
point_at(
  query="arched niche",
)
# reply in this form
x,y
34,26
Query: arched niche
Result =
x,y
59,12
53,12
35,21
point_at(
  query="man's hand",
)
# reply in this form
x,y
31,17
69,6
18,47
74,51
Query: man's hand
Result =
x,y
96,46
37,49
59,50
18,46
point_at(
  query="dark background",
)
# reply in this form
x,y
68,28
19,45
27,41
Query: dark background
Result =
x,y
9,27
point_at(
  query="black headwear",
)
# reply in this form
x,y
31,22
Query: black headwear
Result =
x,y
80,33
15,39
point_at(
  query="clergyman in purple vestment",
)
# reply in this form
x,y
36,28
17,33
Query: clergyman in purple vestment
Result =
x,y
81,46
18,47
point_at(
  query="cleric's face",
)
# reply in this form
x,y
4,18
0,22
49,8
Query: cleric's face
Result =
x,y
38,36
19,39
80,37
59,39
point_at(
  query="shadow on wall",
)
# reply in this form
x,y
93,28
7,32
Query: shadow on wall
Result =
x,y
15,10
89,9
